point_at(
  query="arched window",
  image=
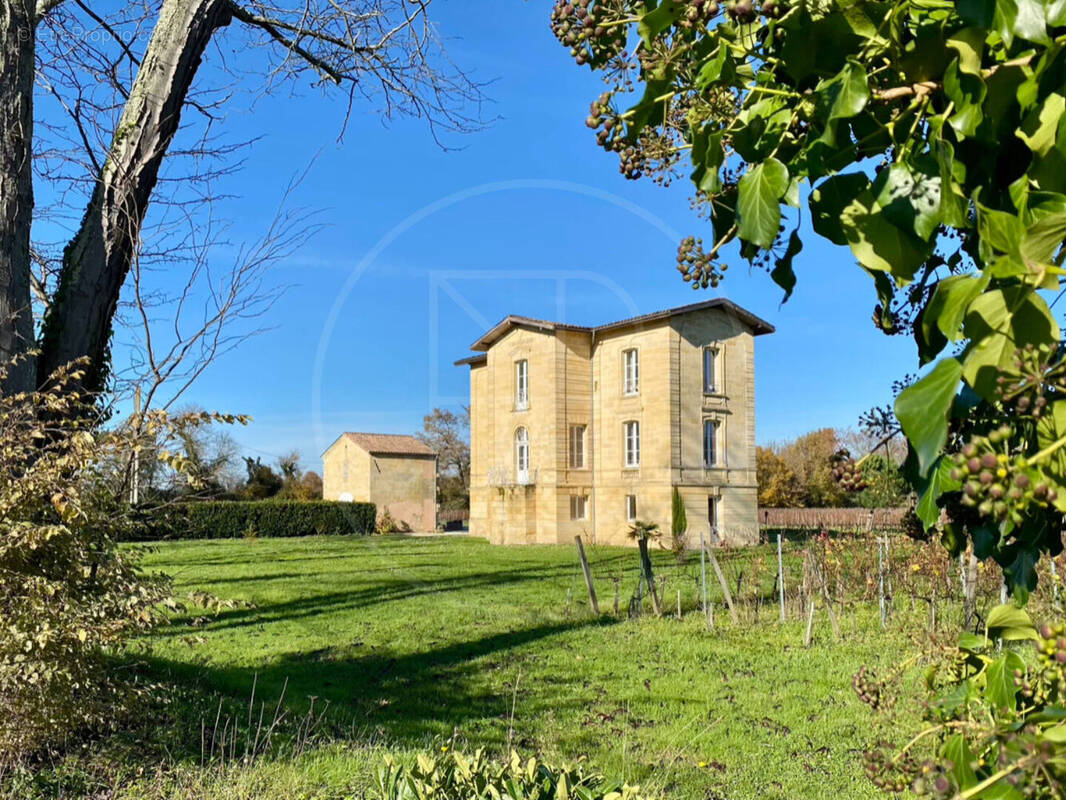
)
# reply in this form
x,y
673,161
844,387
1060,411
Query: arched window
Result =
x,y
521,455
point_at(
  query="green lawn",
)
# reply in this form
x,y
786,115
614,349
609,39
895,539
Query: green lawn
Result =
x,y
407,639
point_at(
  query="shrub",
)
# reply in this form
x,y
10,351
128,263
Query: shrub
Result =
x,y
445,773
389,524
70,596
268,518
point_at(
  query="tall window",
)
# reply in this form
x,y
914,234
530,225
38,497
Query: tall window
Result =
x,y
521,455
521,385
710,442
632,443
631,364
712,516
631,507
710,369
577,447
579,506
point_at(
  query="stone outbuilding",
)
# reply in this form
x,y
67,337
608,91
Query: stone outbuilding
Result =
x,y
585,430
397,473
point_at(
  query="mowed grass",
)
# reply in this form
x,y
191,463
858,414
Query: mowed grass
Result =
x,y
408,639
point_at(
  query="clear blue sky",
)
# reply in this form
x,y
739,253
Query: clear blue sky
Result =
x,y
423,247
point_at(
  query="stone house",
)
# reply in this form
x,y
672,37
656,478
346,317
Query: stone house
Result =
x,y
395,472
582,430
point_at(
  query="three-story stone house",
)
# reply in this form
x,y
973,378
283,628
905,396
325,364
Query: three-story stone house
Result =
x,y
584,430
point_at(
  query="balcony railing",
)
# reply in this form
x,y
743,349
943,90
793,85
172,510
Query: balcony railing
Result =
x,y
507,477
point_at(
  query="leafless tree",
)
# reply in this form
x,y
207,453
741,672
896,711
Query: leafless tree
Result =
x,y
130,143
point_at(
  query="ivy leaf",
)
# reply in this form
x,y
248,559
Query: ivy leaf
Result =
x,y
957,750
782,273
1056,12
1039,129
842,96
951,298
719,66
828,201
1008,616
940,482
879,245
909,199
758,204
998,322
657,20
922,410
1000,689
953,203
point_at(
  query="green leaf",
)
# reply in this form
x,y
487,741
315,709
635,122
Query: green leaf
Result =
x,y
953,203
828,201
909,199
657,20
939,482
1000,689
997,323
718,66
1039,129
957,750
973,643
1008,616
845,94
879,245
1056,12
758,205
782,273
967,93
923,408
951,298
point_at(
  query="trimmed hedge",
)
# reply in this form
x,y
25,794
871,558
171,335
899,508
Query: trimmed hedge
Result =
x,y
268,518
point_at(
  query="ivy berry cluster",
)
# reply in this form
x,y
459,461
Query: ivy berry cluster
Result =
x,y
847,472
579,25
1037,369
997,484
698,12
697,266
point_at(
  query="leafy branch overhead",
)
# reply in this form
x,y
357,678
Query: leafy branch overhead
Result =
x,y
926,137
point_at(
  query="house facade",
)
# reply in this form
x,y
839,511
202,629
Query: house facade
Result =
x,y
583,430
396,473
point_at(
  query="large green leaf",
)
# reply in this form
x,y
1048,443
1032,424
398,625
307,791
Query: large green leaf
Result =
x,y
957,750
1000,689
950,300
842,96
828,201
909,198
1007,616
923,408
758,204
657,20
878,244
1040,127
997,323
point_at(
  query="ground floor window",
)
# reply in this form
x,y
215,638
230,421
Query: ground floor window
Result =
x,y
631,507
712,515
579,506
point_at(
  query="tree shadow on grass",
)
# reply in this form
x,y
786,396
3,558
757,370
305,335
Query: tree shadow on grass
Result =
x,y
402,697
379,592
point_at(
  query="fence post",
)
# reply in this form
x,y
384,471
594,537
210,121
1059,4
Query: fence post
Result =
x,y
781,577
1054,582
588,576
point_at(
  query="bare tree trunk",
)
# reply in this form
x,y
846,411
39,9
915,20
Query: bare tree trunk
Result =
x,y
16,188
98,258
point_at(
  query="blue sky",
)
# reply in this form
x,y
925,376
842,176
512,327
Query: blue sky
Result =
x,y
421,248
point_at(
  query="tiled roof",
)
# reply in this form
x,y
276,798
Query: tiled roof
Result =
x,y
758,326
391,444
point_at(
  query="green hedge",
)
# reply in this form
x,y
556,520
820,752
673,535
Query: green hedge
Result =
x,y
274,518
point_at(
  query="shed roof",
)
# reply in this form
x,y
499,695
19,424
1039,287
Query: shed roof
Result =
x,y
388,444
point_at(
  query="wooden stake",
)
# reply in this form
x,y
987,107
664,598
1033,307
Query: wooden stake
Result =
x,y
679,604
725,586
588,576
780,577
703,575
810,624
645,561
